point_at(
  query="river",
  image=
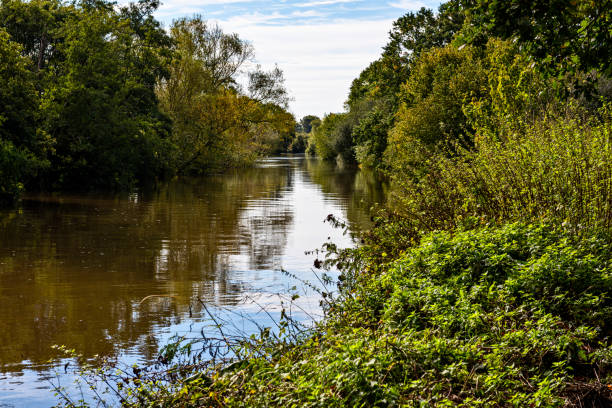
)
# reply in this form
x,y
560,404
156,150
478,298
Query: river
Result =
x,y
119,275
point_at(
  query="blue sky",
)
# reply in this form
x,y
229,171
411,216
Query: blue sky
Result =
x,y
321,45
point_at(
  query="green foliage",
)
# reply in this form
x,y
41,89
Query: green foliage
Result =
x,y
35,25
215,125
517,93
92,111
298,144
337,135
324,136
443,80
410,35
80,86
500,317
306,124
438,307
522,161
17,166
19,138
370,135
374,96
300,141
17,96
560,35
431,96
556,169
103,112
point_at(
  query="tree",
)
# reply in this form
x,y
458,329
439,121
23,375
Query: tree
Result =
x,y
35,25
560,35
268,87
378,86
214,123
213,58
18,137
370,136
442,82
102,110
410,35
306,123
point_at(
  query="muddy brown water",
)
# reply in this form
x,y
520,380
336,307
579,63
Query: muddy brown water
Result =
x,y
118,275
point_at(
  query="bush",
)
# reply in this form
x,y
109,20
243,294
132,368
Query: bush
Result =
x,y
442,81
557,169
513,316
16,168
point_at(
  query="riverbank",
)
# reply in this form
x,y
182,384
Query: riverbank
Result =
x,y
516,315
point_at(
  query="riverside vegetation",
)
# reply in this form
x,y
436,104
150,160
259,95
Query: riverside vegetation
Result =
x,y
489,283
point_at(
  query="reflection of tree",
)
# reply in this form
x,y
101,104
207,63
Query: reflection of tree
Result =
x,y
360,188
264,225
73,269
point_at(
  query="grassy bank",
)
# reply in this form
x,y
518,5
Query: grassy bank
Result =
x,y
518,315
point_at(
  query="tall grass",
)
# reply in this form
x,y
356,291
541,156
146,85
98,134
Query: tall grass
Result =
x,y
557,169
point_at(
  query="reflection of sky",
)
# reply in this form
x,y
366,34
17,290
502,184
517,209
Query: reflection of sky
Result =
x,y
321,45
305,204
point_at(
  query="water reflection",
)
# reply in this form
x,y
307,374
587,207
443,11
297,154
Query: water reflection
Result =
x,y
359,190
74,270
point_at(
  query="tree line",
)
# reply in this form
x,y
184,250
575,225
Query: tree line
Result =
x,y
448,76
95,95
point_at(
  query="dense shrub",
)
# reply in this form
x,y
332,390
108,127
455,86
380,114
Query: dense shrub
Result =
x,y
556,169
16,167
512,316
516,93
441,83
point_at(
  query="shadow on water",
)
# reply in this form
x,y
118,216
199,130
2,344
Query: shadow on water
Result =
x,y
75,268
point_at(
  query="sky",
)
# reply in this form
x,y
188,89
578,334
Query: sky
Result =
x,y
321,45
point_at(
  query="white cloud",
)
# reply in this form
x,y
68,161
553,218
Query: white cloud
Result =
x,y
320,54
408,4
177,8
307,13
323,3
320,60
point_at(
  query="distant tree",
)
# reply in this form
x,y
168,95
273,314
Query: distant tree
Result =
x,y
307,122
